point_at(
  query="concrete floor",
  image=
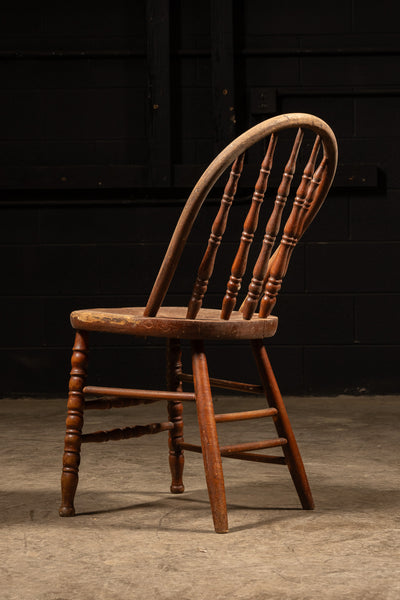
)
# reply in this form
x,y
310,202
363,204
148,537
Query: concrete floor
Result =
x,y
132,539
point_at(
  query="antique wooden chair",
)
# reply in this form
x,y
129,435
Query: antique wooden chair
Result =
x,y
197,324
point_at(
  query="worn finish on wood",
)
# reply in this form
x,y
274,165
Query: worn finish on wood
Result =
x,y
170,322
74,424
197,324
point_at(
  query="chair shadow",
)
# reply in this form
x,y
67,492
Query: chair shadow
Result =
x,y
42,505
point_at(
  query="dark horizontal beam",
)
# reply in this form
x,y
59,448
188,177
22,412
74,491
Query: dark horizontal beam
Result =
x,y
69,54
74,177
92,177
296,52
345,91
369,51
196,53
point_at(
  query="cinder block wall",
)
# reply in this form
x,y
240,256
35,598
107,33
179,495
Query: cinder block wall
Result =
x,y
78,228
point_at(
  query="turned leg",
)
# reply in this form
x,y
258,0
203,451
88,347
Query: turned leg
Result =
x,y
175,411
74,423
283,426
209,438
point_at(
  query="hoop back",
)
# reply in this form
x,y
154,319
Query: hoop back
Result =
x,y
269,269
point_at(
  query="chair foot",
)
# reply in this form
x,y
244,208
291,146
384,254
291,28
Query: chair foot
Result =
x,y
177,489
176,462
302,486
66,511
69,483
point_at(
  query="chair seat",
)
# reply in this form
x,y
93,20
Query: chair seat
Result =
x,y
170,322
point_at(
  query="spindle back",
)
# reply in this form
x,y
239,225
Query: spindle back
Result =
x,y
271,264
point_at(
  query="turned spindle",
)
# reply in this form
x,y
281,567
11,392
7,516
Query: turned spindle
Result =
x,y
260,269
217,231
310,180
249,227
291,233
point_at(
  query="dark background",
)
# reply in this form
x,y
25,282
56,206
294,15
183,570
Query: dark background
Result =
x,y
109,112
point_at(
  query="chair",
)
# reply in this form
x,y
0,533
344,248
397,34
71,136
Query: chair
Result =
x,y
231,322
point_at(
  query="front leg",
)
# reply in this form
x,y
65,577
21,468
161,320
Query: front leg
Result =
x,y
209,438
74,424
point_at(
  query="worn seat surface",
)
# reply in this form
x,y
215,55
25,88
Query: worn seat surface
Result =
x,y
171,321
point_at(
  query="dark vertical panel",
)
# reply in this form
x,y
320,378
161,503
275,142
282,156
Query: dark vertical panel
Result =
x,y
222,72
158,65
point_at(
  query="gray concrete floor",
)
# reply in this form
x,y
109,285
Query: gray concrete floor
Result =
x,y
132,539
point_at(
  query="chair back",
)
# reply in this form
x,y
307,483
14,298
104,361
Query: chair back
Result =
x,y
318,169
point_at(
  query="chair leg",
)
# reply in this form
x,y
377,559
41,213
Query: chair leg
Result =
x,y
209,439
175,411
283,426
74,424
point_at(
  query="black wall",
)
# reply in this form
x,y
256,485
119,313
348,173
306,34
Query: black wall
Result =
x,y
108,114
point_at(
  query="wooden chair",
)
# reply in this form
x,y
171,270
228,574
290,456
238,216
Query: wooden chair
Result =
x,y
197,324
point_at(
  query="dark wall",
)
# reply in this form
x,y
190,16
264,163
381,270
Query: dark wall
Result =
x,y
107,116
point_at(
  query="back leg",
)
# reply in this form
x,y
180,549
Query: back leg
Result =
x,y
175,411
283,426
209,438
74,424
